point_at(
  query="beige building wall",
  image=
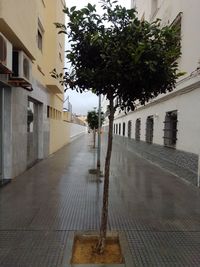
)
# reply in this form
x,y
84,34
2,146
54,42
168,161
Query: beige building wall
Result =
x,y
29,27
59,134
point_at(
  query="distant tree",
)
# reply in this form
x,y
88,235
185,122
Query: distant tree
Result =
x,y
93,122
118,55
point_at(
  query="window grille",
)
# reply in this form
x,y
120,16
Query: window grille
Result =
x,y
170,129
48,111
137,129
129,129
149,130
124,128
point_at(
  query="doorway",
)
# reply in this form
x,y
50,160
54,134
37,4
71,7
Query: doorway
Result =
x,y
32,132
1,129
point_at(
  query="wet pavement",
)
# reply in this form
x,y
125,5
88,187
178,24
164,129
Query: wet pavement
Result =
x,y
157,212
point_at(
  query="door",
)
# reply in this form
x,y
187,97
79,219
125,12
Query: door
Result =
x,y
32,132
1,139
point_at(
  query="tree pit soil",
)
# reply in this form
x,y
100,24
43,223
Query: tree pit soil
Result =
x,y
83,251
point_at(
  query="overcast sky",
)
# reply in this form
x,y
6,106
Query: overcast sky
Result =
x,y
82,103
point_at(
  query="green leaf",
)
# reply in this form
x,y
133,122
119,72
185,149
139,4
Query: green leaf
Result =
x,y
72,9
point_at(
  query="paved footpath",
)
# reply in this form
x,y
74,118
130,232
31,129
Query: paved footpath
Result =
x,y
158,213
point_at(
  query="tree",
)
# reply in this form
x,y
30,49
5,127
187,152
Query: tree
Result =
x,y
119,56
93,122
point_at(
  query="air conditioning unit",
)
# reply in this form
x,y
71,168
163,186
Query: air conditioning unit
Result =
x,y
5,55
22,68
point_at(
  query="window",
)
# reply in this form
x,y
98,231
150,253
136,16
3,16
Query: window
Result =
x,y
170,129
154,7
40,34
129,129
149,130
60,56
30,116
143,17
48,111
119,128
177,24
133,4
124,129
39,40
116,128
43,3
137,129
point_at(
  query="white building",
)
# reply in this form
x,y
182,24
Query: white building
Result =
x,y
166,130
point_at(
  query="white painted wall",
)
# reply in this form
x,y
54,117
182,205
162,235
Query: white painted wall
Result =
x,y
167,11
76,130
187,105
186,97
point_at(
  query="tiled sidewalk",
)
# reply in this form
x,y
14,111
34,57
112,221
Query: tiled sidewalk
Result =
x,y
159,214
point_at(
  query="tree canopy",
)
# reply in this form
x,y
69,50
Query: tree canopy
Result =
x,y
116,54
93,119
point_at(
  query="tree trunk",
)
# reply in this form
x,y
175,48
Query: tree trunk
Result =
x,y
94,138
104,215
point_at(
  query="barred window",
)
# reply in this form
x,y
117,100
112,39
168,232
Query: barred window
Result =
x,y
124,129
149,129
119,128
129,129
116,129
170,129
137,129
48,111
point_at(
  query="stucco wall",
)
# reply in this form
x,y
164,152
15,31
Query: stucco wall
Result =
x,y
167,11
188,122
77,130
59,134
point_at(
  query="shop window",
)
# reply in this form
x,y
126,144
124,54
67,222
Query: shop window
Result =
x,y
137,129
149,130
170,129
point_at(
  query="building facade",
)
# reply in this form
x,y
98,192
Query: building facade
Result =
x,y
166,130
31,101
